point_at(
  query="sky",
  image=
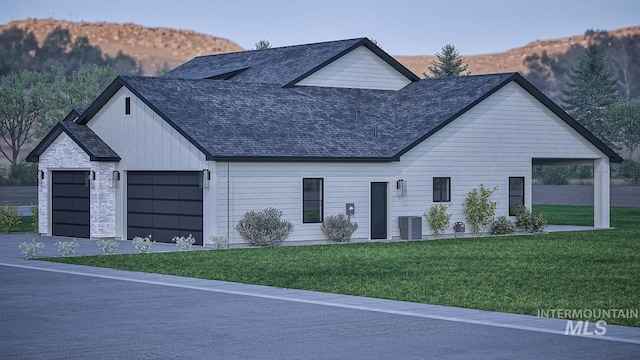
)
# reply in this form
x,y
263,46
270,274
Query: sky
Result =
x,y
411,27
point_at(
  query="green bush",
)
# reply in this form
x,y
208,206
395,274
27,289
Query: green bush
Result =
x,y
338,228
9,218
534,223
438,218
479,208
503,226
552,174
264,227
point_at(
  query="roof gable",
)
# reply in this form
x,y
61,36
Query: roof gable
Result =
x,y
228,120
284,66
86,139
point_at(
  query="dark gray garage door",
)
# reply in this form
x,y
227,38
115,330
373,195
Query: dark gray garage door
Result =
x,y
164,204
70,203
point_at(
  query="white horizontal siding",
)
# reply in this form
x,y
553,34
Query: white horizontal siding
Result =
x,y
492,142
361,69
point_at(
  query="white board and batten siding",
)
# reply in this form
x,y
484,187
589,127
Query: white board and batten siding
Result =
x,y
358,69
495,140
146,142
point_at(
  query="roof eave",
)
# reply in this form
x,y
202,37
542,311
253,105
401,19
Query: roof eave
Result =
x,y
245,158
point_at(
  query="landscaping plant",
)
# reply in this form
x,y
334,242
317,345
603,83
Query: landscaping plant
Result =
x,y
264,227
30,249
67,248
338,228
534,223
438,219
108,246
220,241
184,243
479,208
142,244
9,218
503,226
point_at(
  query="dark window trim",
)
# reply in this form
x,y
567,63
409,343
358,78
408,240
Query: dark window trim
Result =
x,y
319,202
440,193
512,211
127,105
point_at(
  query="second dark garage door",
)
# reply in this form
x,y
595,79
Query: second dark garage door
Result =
x,y
164,204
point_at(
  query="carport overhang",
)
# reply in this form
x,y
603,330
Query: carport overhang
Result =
x,y
601,183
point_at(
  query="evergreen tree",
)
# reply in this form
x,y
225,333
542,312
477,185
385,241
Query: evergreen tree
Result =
x,y
263,45
449,63
591,88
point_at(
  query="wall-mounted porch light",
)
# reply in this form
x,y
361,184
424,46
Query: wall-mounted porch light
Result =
x,y
115,178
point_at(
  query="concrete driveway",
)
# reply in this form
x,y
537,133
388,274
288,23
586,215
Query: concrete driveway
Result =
x,y
59,311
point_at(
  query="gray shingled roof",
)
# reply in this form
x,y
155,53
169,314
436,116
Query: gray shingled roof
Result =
x,y
280,66
91,143
234,120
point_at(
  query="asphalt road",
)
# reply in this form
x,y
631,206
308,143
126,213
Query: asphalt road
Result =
x,y
51,315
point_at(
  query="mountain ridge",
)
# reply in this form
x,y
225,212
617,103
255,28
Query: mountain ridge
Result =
x,y
154,48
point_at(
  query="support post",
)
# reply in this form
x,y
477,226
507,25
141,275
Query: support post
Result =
x,y
601,190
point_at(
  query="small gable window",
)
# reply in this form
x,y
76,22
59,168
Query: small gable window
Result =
x,y
127,106
441,189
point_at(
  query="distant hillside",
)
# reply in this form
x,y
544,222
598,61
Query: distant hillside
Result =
x,y
150,47
511,60
153,47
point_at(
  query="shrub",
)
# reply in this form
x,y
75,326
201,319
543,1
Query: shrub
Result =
x,y
630,170
9,218
438,218
108,246
34,213
338,228
264,227
522,217
30,250
220,241
503,226
537,223
23,174
184,243
479,209
67,248
142,244
534,223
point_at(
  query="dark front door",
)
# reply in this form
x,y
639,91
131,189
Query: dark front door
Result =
x,y
164,204
378,210
70,204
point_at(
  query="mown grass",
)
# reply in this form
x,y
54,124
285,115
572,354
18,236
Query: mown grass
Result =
x,y
516,274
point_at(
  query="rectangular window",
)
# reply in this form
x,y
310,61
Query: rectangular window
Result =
x,y
441,189
312,200
127,106
516,194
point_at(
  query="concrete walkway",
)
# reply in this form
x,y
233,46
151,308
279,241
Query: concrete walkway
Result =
x,y
10,257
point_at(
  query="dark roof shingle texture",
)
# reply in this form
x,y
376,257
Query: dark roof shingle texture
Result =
x,y
234,120
270,66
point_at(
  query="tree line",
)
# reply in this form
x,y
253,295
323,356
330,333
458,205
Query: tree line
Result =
x,y
41,83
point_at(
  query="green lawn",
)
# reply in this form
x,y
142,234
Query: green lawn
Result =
x,y
517,274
